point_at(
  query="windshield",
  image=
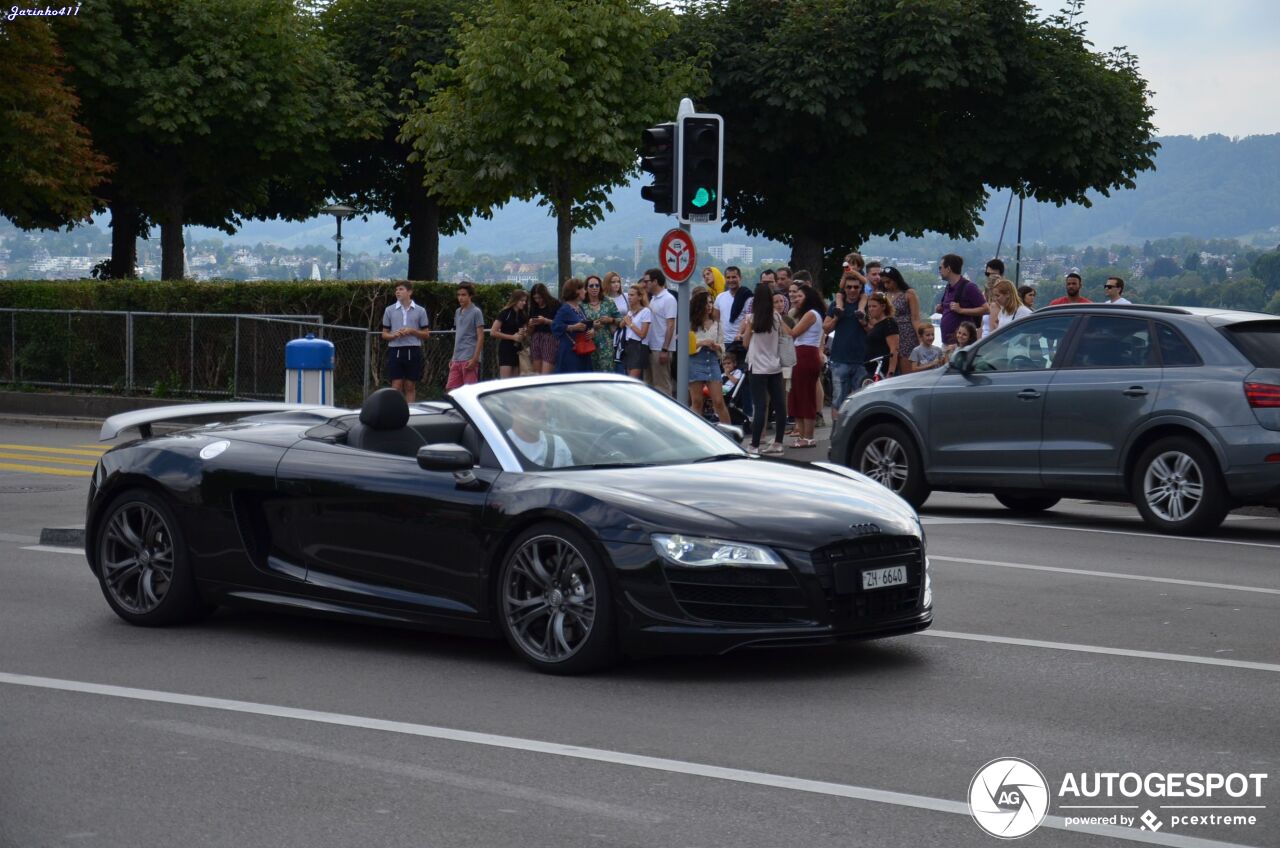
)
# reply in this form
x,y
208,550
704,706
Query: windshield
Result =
x,y
601,425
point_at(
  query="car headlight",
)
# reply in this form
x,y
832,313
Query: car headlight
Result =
x,y
697,552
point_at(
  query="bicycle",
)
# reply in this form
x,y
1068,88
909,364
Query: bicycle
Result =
x,y
880,372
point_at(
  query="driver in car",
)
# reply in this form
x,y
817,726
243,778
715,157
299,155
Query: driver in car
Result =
x,y
525,432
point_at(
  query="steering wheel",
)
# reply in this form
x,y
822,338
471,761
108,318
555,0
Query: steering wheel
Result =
x,y
614,453
1022,363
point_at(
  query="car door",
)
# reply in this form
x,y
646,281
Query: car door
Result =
x,y
1104,389
985,423
375,529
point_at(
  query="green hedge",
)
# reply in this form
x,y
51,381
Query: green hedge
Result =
x,y
354,303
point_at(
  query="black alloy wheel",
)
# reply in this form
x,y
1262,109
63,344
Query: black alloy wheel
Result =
x,y
1178,488
1027,504
888,454
554,602
142,562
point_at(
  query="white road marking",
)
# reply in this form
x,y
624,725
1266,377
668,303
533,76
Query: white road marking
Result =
x,y
1113,575
1159,536
1095,649
55,549
621,758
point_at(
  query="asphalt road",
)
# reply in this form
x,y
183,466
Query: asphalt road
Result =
x,y
1077,641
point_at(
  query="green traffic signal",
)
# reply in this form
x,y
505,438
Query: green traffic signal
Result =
x,y
702,197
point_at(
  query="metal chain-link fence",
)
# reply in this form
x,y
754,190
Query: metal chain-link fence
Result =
x,y
198,355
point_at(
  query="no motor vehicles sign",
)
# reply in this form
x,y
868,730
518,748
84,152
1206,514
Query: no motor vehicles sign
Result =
x,y
677,255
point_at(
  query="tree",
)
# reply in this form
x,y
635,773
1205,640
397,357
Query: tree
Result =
x,y
385,41
210,110
1164,267
1192,262
548,99
829,143
1267,268
48,166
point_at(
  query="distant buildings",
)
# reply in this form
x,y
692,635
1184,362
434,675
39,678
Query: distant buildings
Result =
x,y
726,253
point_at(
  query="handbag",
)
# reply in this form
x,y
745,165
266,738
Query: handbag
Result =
x,y
583,344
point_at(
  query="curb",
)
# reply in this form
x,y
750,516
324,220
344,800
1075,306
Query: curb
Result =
x,y
51,421
62,537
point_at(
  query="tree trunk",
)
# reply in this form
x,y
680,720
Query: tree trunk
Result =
x,y
806,254
171,244
124,241
564,237
424,235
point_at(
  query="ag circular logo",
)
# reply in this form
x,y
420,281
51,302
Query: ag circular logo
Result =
x,y
1008,798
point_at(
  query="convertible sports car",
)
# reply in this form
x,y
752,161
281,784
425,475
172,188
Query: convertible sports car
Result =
x,y
579,516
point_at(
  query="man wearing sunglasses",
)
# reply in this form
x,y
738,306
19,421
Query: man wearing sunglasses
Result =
x,y
849,344
1114,289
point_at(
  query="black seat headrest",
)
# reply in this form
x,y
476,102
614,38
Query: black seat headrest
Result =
x,y
385,409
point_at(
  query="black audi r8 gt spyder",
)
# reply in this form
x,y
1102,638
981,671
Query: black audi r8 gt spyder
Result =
x,y
581,517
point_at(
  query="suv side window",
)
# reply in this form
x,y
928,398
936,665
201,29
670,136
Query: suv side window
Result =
x,y
1032,346
1174,349
1108,342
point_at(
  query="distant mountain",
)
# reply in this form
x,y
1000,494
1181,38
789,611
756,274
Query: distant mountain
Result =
x,y
1210,187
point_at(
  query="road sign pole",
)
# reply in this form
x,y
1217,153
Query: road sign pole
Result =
x,y
682,337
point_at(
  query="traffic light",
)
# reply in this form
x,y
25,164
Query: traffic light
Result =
x,y
658,157
701,168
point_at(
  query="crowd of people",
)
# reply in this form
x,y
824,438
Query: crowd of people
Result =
x,y
769,360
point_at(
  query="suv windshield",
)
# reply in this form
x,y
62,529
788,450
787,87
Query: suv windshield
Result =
x,y
595,425
1259,341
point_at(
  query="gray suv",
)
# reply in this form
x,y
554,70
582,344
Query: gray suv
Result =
x,y
1175,409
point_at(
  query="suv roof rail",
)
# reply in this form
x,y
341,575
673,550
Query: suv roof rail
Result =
x,y
1174,310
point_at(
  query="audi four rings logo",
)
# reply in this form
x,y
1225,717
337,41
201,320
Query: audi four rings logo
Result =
x,y
1008,798
864,529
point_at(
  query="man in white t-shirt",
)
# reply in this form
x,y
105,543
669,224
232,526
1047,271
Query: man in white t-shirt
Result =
x,y
724,304
1114,289
662,331
526,434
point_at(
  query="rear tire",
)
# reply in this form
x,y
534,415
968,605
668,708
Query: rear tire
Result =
x,y
887,454
1027,504
142,562
1178,487
554,603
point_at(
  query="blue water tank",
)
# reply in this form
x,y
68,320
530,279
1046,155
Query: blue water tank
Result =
x,y
310,354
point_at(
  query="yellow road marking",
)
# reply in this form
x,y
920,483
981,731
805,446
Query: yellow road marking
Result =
x,y
98,448
43,449
39,469
60,460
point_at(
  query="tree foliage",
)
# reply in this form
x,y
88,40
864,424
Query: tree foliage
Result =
x,y
548,99
48,166
385,41
212,109
851,118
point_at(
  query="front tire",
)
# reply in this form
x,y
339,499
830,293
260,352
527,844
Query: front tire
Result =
x,y
554,603
142,562
887,454
1027,504
1178,487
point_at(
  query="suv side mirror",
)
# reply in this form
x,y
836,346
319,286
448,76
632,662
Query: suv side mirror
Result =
x,y
962,360
445,457
732,431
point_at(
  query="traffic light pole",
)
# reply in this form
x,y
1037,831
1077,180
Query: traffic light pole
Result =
x,y
683,320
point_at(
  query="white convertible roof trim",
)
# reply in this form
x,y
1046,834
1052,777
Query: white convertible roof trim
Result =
x,y
144,418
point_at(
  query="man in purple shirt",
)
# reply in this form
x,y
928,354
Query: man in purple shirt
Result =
x,y
961,301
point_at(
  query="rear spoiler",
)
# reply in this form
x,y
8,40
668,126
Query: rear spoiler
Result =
x,y
142,419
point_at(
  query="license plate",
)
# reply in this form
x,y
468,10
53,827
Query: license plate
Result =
x,y
878,578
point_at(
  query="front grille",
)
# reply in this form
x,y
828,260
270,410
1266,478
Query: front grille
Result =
x,y
739,595
839,569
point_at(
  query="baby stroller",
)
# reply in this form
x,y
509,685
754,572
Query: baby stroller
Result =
x,y
737,417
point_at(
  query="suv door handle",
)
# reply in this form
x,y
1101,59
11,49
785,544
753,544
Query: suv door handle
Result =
x,y
1135,391
1028,394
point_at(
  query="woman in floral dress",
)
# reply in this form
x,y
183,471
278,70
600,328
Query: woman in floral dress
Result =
x,y
600,308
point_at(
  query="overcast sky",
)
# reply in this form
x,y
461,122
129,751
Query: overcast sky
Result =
x,y
1214,65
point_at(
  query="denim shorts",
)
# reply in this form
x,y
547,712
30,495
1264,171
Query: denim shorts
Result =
x,y
704,367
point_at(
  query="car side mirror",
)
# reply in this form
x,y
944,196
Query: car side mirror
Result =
x,y
731,431
962,361
445,457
